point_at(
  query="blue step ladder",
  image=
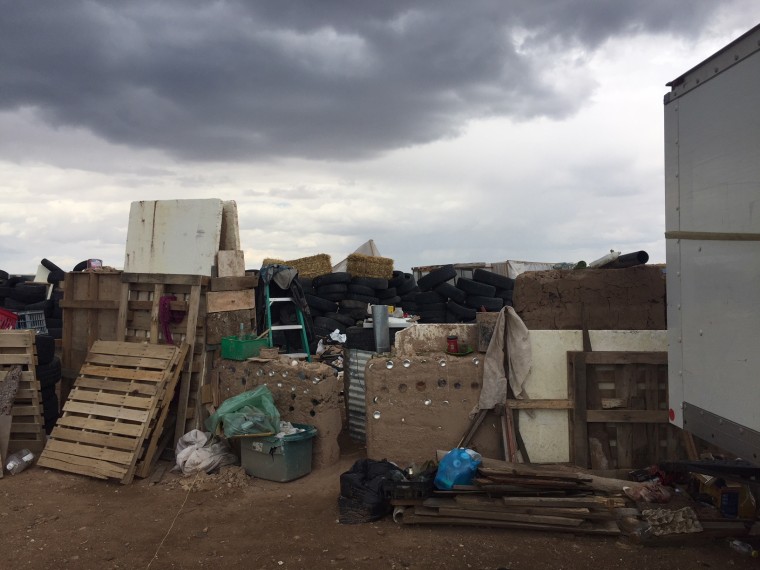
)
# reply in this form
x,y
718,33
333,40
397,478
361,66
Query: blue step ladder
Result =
x,y
300,326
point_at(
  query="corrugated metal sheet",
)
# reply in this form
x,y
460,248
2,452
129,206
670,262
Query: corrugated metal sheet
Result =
x,y
354,370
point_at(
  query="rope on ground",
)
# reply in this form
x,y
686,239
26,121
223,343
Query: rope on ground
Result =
x,y
187,495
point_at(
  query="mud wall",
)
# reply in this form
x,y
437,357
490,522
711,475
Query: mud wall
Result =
x,y
307,393
612,299
419,404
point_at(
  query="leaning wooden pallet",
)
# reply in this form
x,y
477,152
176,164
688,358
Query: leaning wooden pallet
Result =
x,y
116,405
27,427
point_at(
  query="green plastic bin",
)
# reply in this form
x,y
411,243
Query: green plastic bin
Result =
x,y
276,459
235,348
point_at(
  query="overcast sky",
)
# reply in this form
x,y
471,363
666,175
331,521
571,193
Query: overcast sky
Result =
x,y
446,131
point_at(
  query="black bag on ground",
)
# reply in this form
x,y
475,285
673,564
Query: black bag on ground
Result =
x,y
362,497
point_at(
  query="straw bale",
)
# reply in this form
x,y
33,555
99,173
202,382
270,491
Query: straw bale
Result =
x,y
359,265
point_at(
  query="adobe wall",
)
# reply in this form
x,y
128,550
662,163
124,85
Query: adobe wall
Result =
x,y
613,299
422,404
307,393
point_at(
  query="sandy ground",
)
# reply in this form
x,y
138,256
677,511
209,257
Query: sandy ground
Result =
x,y
52,520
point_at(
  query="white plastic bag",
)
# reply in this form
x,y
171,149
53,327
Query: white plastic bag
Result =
x,y
194,453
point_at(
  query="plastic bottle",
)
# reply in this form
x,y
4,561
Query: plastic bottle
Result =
x,y
17,462
743,548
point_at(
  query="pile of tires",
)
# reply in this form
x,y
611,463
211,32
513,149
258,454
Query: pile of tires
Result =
x,y
19,293
340,301
445,298
48,372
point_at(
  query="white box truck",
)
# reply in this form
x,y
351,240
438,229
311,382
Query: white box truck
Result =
x,y
712,202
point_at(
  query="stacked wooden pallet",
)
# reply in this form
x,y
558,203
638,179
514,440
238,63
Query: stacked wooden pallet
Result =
x,y
527,497
27,431
113,420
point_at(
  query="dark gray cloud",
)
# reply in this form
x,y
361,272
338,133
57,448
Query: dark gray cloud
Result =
x,y
249,81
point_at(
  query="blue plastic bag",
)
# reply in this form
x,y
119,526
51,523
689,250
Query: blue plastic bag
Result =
x,y
458,467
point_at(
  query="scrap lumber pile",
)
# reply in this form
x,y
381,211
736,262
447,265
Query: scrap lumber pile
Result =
x,y
517,496
115,415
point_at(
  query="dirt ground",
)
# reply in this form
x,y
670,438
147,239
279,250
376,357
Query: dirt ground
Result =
x,y
52,520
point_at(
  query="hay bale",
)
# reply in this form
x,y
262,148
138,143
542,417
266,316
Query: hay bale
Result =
x,y
359,265
312,266
272,261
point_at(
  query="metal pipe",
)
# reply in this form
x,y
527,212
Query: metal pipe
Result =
x,y
628,260
381,329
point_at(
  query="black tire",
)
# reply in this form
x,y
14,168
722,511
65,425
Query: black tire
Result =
x,y
437,318
505,294
375,283
331,288
50,411
45,345
49,374
475,288
335,297
343,319
332,279
363,298
57,295
411,296
428,297
57,312
460,311
410,307
356,314
350,304
432,307
55,332
397,279
50,266
386,293
14,280
360,338
5,291
4,275
320,304
13,305
287,315
45,306
449,291
320,332
29,292
491,278
490,304
53,322
436,277
407,285
361,290
390,301
56,277
328,324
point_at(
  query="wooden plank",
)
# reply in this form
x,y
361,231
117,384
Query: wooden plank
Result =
x,y
413,518
121,321
79,395
90,466
134,361
105,411
121,373
155,325
600,450
12,359
531,404
111,348
514,517
186,376
65,465
590,502
165,279
101,305
126,387
105,426
90,451
229,301
230,263
628,416
613,403
16,339
577,361
233,283
615,357
94,438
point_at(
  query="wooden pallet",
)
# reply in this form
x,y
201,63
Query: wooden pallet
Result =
x,y
115,411
620,420
27,427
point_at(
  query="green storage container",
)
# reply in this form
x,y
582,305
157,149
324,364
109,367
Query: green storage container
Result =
x,y
278,459
235,348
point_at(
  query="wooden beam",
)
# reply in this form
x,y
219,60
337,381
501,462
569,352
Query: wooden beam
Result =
x,y
530,404
229,301
621,357
233,283
166,279
627,416
580,420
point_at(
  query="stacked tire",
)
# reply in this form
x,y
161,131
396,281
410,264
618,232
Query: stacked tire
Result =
x,y
48,371
19,293
443,298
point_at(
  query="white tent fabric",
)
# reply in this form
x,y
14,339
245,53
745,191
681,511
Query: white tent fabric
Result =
x,y
367,248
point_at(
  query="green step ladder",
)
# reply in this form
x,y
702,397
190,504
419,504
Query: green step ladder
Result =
x,y
300,326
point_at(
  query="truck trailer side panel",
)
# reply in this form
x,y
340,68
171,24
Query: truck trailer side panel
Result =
x,y
712,185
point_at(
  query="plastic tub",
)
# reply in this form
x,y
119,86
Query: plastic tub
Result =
x,y
276,459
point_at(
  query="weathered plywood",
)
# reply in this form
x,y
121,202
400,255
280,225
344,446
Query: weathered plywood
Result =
x,y
546,433
173,236
223,301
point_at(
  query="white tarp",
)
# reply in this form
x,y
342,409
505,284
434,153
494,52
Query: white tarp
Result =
x,y
367,248
515,268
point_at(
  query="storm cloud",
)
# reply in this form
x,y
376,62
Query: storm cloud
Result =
x,y
256,81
